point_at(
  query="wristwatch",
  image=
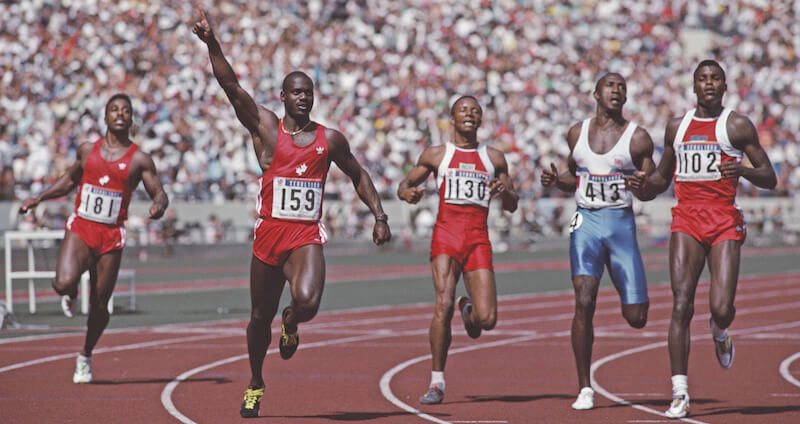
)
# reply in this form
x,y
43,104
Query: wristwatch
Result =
x,y
382,217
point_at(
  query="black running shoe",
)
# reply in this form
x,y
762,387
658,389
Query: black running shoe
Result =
x,y
289,338
251,403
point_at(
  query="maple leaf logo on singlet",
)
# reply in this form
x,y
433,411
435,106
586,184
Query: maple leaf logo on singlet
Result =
x,y
320,150
104,180
122,166
301,169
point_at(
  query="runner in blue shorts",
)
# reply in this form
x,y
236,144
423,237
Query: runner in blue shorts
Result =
x,y
608,162
607,236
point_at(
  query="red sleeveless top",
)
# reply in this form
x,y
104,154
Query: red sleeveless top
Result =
x,y
463,178
293,185
701,144
104,191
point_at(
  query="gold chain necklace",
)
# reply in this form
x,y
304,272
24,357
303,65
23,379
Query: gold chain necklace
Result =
x,y
294,133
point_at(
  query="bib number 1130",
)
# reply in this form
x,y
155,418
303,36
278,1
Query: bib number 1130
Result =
x,y
467,187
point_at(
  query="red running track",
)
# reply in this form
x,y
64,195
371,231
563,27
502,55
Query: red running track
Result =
x,y
372,365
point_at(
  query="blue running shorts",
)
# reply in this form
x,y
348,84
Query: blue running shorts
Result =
x,y
607,237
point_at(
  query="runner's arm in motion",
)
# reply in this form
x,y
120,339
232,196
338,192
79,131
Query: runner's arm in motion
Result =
x,y
407,190
339,152
502,186
152,184
566,181
259,121
658,180
642,155
64,184
744,137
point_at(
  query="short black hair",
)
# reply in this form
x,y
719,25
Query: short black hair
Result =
x,y
709,62
467,96
119,96
599,80
294,74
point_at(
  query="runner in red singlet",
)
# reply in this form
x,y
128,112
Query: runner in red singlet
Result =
x,y
295,154
105,172
703,153
468,176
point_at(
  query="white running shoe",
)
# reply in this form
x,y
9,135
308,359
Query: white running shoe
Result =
x,y
679,408
585,399
723,348
69,306
83,370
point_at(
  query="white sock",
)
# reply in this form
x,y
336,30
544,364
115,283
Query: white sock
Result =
x,y
680,384
720,334
437,378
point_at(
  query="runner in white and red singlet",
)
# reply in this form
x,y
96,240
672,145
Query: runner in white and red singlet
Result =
x,y
609,159
468,175
295,154
105,172
703,153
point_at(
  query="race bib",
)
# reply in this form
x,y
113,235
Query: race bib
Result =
x,y
602,191
575,222
463,187
698,162
296,198
100,204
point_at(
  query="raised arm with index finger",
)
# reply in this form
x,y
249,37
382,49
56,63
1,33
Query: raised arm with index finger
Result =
x,y
295,154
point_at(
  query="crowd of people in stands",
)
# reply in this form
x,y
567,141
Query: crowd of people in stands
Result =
x,y
385,73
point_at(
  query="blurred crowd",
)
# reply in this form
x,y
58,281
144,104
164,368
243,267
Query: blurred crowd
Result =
x,y
385,73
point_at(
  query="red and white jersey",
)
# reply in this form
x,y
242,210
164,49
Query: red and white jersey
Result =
x,y
293,185
104,191
463,179
701,144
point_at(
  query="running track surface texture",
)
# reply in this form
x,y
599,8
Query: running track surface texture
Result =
x,y
372,365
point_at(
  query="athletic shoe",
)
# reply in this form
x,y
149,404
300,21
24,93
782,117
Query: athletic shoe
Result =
x,y
289,339
83,370
585,399
465,306
251,403
434,396
723,349
69,306
679,408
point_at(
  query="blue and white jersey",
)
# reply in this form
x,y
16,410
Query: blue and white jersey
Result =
x,y
601,178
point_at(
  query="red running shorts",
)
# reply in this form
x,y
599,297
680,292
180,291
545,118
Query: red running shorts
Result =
x,y
709,223
471,248
101,238
274,240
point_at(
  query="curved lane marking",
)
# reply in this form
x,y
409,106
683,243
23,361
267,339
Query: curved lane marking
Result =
x,y
784,369
166,394
597,364
386,378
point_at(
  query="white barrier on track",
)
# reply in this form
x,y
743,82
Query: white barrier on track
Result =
x,y
32,274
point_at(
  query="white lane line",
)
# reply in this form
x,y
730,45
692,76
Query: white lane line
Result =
x,y
166,394
784,369
615,398
386,379
641,394
480,421
141,345
605,294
